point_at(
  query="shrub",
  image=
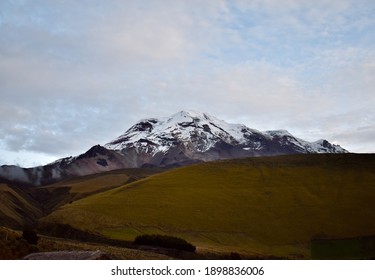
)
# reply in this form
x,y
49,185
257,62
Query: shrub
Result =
x,y
164,241
30,236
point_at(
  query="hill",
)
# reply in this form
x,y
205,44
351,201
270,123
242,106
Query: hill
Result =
x,y
17,207
269,206
23,205
67,191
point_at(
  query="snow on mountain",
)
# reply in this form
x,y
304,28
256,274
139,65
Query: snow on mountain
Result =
x,y
189,127
200,132
320,146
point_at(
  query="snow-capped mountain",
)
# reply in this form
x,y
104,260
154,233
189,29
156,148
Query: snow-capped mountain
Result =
x,y
191,136
184,138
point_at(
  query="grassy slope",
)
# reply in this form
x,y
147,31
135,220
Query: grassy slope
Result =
x,y
266,206
16,208
66,191
24,205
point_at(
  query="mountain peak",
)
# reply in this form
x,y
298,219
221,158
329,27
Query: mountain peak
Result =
x,y
195,134
190,114
279,132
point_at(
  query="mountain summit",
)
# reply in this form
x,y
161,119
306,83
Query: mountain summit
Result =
x,y
191,135
183,138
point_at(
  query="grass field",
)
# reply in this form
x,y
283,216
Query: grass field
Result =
x,y
260,206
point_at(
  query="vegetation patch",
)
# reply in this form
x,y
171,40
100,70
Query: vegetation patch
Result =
x,y
165,241
348,248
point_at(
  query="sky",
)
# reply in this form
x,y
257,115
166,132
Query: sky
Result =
x,y
74,74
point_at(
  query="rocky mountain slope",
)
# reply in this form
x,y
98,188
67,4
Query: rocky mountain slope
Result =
x,y
184,138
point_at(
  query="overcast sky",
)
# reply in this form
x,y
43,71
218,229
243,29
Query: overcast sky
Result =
x,y
78,73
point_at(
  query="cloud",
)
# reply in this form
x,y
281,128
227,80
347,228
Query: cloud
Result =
x,y
79,73
361,136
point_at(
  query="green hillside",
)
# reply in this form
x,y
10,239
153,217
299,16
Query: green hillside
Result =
x,y
22,206
67,191
270,206
17,208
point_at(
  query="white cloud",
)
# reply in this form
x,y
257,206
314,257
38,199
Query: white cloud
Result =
x,y
74,74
